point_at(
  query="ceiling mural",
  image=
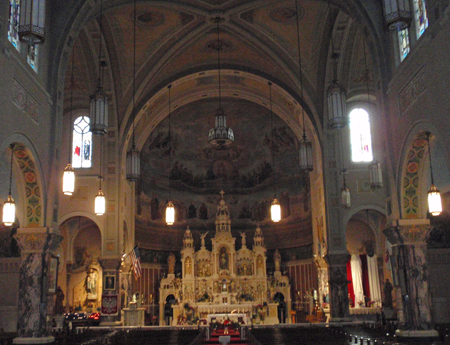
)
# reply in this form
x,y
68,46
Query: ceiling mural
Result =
x,y
244,171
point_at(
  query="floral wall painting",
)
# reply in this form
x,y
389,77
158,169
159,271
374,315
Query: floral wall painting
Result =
x,y
199,171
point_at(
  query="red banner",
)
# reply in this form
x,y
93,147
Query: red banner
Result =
x,y
109,304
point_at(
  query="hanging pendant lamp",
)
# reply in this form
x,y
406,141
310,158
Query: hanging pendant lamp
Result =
x,y
346,201
133,156
99,100
305,150
69,172
434,195
170,208
220,135
275,207
100,200
9,207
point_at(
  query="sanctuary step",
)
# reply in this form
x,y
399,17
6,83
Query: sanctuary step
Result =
x,y
216,336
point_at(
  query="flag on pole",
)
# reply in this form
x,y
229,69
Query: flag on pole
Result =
x,y
136,261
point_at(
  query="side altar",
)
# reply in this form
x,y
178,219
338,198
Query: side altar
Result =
x,y
224,281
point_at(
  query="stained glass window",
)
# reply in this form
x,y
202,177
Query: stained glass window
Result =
x,y
420,15
82,143
360,137
403,43
13,25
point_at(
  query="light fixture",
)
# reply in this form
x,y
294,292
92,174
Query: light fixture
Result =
x,y
397,14
69,172
275,207
336,92
133,156
305,150
32,21
375,172
170,208
346,201
99,100
100,200
434,196
220,135
9,207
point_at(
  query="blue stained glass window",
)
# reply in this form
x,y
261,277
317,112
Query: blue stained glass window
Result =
x,y
421,18
403,42
13,25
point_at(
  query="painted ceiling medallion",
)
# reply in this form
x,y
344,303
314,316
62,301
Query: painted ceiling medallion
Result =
x,y
285,14
150,18
224,45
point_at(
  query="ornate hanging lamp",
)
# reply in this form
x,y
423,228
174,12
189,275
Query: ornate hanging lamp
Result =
x,y
275,207
336,93
69,172
397,14
305,150
434,196
346,201
170,208
100,200
32,21
9,207
220,135
133,156
99,100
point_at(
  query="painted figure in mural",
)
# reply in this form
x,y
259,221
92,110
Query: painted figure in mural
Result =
x,y
203,211
223,258
277,260
203,238
171,263
59,307
387,290
192,213
154,207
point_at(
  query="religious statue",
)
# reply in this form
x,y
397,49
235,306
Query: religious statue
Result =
x,y
243,238
188,265
277,260
223,258
203,238
171,263
59,308
90,283
387,290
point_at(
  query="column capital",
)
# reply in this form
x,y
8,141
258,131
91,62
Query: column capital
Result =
x,y
37,240
408,231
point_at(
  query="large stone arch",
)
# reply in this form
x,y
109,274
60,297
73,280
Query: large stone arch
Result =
x,y
27,176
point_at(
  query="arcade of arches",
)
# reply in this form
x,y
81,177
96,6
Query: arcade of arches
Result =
x,y
320,262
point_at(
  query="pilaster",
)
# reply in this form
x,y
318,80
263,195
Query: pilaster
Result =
x,y
37,245
110,290
409,248
338,289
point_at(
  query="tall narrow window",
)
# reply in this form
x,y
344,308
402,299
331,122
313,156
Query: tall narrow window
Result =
x,y
403,43
13,26
361,139
82,143
420,16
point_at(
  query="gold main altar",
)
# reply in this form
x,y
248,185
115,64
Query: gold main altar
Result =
x,y
224,283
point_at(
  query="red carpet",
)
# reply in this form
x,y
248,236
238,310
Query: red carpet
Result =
x,y
235,338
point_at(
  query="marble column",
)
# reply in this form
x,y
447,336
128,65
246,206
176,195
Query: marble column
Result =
x,y
338,289
111,267
37,245
407,237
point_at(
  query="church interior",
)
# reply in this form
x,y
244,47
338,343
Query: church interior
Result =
x,y
172,163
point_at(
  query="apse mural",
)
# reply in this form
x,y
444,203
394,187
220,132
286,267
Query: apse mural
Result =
x,y
199,171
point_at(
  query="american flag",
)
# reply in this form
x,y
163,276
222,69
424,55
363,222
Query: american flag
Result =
x,y
136,261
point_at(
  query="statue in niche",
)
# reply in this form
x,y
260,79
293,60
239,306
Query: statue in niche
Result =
x,y
188,265
259,265
277,260
171,263
203,238
223,258
90,283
